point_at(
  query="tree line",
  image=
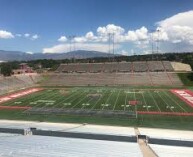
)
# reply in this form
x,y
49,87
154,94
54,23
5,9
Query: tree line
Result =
x,y
6,68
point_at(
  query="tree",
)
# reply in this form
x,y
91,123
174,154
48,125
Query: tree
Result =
x,y
6,69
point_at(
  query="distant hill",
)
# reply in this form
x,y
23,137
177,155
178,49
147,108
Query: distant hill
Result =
x,y
23,56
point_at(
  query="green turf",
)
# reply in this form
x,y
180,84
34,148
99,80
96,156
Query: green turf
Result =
x,y
115,99
169,122
110,98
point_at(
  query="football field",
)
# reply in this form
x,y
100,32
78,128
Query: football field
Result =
x,y
144,101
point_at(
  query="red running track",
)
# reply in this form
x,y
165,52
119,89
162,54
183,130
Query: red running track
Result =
x,y
14,107
165,113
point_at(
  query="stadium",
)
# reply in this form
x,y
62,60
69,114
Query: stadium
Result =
x,y
132,94
96,78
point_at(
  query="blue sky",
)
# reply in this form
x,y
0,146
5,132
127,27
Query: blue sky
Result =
x,y
37,25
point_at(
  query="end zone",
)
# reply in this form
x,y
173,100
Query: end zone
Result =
x,y
185,95
19,94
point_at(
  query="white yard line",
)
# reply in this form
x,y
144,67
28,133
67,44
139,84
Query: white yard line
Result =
x,y
73,98
50,97
116,100
156,104
174,101
165,102
99,99
80,100
126,101
145,102
66,98
107,99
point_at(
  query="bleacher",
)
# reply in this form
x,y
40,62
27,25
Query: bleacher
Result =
x,y
155,66
115,73
140,66
167,65
152,66
16,82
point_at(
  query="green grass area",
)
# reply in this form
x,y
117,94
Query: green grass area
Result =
x,y
168,122
107,99
186,78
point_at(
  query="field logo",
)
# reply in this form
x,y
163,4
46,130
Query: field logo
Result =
x,y
185,95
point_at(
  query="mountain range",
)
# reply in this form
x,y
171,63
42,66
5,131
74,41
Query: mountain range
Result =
x,y
23,56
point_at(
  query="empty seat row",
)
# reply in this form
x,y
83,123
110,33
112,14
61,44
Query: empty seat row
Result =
x,y
152,66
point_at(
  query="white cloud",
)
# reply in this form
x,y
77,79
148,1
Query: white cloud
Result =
x,y
5,34
63,48
137,35
110,28
117,32
26,35
62,39
80,39
179,28
34,37
29,52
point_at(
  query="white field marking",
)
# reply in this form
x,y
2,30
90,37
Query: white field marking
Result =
x,y
35,98
107,99
33,103
87,103
165,102
103,95
175,101
51,96
46,101
73,97
54,95
116,100
31,100
170,107
145,102
154,100
84,97
125,105
63,99
125,101
105,105
23,99
17,102
67,104
135,92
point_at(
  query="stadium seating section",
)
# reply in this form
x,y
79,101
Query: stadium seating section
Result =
x,y
16,82
153,66
114,73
